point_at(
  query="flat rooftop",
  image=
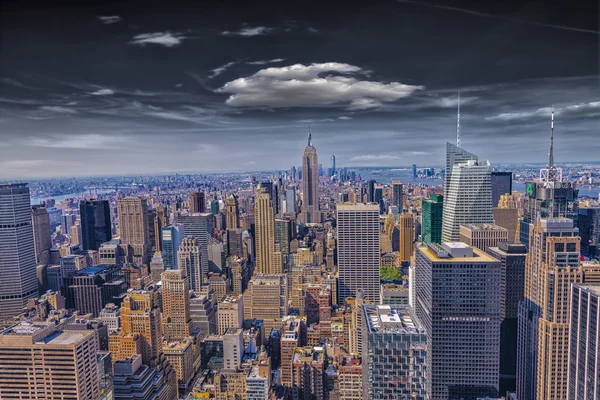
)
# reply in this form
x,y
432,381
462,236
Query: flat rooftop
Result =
x,y
389,319
594,289
478,256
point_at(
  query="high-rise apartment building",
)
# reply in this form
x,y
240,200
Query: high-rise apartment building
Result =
x,y
171,240
39,362
134,230
552,265
407,237
458,299
431,219
264,233
584,343
200,227
18,276
483,236
95,223
501,185
397,195
310,184
197,202
177,323
358,250
394,359
189,259
512,256
468,199
42,239
232,212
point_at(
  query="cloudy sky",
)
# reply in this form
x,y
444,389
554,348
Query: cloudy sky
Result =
x,y
119,87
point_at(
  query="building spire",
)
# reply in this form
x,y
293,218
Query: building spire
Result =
x,y
551,155
309,136
458,122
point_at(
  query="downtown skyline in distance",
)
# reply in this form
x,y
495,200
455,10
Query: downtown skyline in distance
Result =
x,y
126,89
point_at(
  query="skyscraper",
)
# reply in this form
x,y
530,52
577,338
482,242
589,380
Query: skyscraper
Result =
x,y
407,237
371,191
332,164
200,227
501,184
18,277
161,219
483,236
506,215
454,155
458,300
358,250
95,223
290,199
431,219
134,230
414,170
310,184
469,198
552,265
265,233
177,323
42,240
233,213
397,194
189,258
171,239
197,202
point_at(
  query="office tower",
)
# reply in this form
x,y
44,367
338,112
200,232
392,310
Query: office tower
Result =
x,y
189,259
358,250
265,233
589,229
397,196
67,220
371,191
183,356
483,236
350,380
200,227
469,198
240,275
283,234
18,277
407,237
431,219
64,363
75,234
233,348
95,223
552,265
290,340
230,313
549,196
111,316
140,315
134,380
379,199
395,348
90,288
157,267
584,343
267,299
197,202
161,219
501,184
458,289
171,240
414,171
233,213
134,230
290,200
42,240
177,323
512,257
506,215
203,314
454,155
310,184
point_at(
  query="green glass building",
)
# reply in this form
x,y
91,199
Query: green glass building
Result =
x,y
431,229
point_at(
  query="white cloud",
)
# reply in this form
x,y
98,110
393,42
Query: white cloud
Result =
x,y
318,84
103,92
586,109
219,70
375,157
263,62
452,102
166,39
59,109
90,141
248,31
109,19
344,117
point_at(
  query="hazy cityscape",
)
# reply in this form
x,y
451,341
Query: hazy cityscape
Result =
x,y
250,201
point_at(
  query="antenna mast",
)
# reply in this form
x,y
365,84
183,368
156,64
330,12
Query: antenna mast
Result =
x,y
458,122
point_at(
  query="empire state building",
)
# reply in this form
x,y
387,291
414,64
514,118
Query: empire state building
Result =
x,y
310,184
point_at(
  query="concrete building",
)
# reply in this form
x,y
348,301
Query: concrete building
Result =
x,y
358,250
203,313
177,323
483,236
264,233
230,313
290,340
197,202
134,380
39,362
111,316
183,356
18,276
458,299
232,212
267,299
190,260
407,237
42,241
395,349
134,229
233,348
310,184
506,215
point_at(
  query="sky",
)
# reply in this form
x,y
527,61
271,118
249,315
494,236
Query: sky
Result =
x,y
133,87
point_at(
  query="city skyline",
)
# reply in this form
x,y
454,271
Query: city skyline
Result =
x,y
123,77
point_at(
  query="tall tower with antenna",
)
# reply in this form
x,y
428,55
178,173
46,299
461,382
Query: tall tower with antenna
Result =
x,y
310,183
458,122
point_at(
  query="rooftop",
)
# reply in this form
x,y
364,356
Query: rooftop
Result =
x,y
483,227
388,319
441,255
594,289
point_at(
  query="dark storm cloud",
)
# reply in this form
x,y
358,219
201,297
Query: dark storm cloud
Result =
x,y
165,90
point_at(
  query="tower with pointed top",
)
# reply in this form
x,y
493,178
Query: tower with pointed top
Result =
x,y
310,183
458,122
